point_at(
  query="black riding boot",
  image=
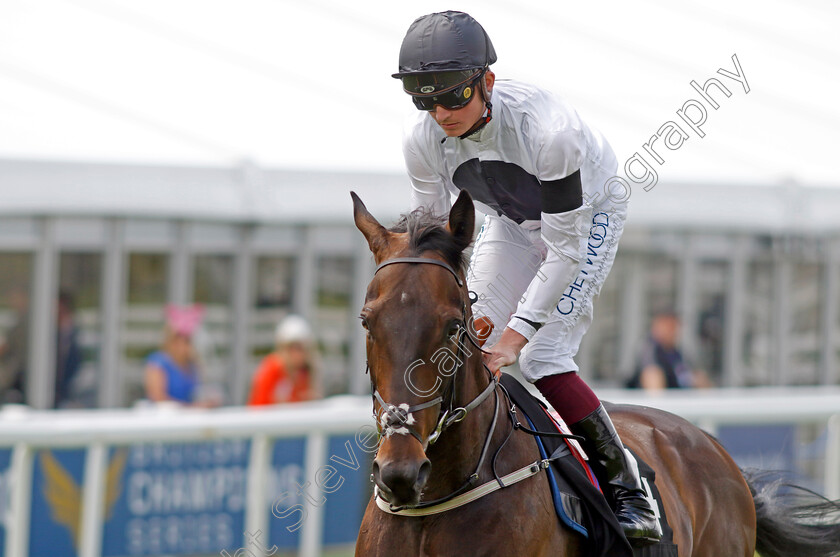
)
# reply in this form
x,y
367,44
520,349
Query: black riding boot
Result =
x,y
632,508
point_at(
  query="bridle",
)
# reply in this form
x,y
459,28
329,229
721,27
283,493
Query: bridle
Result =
x,y
398,416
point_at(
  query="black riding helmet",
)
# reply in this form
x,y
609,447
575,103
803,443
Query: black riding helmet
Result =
x,y
442,58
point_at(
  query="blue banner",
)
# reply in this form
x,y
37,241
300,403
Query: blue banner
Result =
x,y
190,498
285,478
340,486
56,502
346,505
768,447
5,496
175,499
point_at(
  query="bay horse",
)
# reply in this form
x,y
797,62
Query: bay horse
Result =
x,y
445,432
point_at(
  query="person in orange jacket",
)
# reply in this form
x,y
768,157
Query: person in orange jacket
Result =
x,y
288,373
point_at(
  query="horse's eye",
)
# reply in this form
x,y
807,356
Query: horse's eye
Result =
x,y
453,330
364,322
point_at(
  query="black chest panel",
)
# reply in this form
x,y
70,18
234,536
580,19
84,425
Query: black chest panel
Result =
x,y
504,186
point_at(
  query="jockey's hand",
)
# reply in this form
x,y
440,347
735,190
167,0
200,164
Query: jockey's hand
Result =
x,y
504,352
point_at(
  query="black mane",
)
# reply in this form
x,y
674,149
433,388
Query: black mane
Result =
x,y
426,232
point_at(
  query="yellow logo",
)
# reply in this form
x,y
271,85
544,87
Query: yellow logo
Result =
x,y
64,496
467,93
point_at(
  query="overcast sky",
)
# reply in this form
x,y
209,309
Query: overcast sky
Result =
x,y
307,84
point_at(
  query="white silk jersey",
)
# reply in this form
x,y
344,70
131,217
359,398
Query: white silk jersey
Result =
x,y
534,140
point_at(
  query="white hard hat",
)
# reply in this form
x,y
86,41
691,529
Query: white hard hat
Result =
x,y
293,328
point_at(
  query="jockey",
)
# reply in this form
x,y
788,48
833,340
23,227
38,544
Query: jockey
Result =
x,y
546,182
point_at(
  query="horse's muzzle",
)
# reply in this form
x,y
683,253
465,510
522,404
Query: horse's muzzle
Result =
x,y
401,481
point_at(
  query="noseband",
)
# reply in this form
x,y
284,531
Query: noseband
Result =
x,y
399,418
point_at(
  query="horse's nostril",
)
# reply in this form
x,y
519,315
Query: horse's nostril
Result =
x,y
423,475
375,473
402,481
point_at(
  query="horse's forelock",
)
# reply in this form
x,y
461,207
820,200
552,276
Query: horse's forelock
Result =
x,y
427,232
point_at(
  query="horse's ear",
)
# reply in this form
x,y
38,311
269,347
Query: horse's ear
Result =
x,y
375,234
462,219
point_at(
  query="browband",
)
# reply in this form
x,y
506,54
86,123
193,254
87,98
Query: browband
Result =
x,y
420,260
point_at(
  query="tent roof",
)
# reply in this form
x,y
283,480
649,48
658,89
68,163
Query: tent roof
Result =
x,y
307,84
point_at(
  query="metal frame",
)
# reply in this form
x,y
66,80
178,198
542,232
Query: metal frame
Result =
x,y
42,305
114,238
831,314
113,288
732,346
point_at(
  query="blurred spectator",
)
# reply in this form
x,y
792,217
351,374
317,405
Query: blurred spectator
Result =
x,y
661,364
14,350
68,355
172,373
287,374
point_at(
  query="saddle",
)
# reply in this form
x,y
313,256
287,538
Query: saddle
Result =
x,y
578,500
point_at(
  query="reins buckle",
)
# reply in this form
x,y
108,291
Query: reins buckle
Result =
x,y
457,415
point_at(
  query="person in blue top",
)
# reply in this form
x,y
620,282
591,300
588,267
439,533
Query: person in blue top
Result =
x,y
172,372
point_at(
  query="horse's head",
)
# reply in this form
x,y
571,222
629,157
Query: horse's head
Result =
x,y
414,315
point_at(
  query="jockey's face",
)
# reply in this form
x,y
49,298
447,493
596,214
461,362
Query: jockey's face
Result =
x,y
459,121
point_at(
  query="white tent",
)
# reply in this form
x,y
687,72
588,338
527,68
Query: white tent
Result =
x,y
306,84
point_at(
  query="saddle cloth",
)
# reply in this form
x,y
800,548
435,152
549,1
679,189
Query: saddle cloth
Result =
x,y
578,500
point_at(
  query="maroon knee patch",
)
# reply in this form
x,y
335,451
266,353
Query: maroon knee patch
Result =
x,y
569,395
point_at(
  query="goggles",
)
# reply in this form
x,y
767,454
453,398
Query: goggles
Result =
x,y
452,90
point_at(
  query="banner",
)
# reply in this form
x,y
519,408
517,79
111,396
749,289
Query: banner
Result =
x,y
190,498
175,499
5,496
55,520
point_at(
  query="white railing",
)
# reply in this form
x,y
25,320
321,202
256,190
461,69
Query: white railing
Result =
x,y
25,431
